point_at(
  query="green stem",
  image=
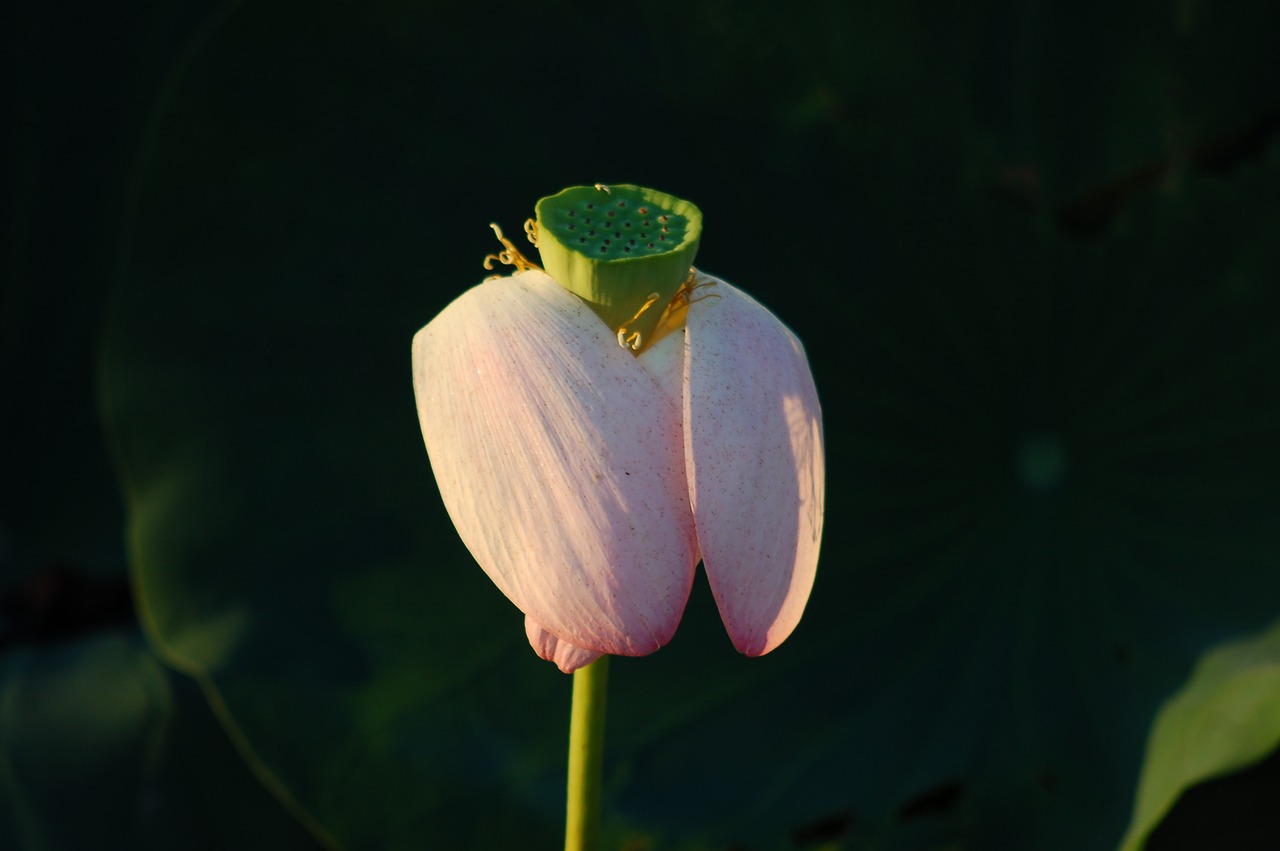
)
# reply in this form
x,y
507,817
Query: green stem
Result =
x,y
586,756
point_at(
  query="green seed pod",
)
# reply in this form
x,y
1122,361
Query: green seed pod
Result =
x,y
619,248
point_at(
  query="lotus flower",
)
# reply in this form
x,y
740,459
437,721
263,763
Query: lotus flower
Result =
x,y
588,467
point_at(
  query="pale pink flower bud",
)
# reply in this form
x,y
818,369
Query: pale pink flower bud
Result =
x,y
588,480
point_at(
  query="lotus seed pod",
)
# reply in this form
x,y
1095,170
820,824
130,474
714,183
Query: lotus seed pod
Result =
x,y
619,248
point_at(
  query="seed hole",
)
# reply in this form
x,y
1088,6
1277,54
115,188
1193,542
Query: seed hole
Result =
x,y
626,248
573,227
582,239
644,210
664,218
626,224
651,245
611,214
618,235
572,214
603,249
622,203
591,206
591,233
633,242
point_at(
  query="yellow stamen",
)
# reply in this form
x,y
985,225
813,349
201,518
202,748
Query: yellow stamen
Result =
x,y
631,340
511,256
605,189
674,314
690,284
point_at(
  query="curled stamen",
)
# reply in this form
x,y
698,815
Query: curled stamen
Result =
x,y
631,339
628,341
605,189
510,256
531,231
690,284
676,310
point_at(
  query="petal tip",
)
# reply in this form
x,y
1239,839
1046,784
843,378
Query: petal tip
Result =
x,y
568,657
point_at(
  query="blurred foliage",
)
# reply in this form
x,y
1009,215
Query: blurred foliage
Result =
x,y
102,747
1223,719
1030,250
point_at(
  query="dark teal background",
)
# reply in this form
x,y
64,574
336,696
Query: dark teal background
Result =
x,y
1031,250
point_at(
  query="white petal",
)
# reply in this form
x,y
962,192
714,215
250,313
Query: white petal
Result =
x,y
568,657
560,462
753,438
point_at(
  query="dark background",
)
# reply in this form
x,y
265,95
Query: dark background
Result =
x,y
1031,250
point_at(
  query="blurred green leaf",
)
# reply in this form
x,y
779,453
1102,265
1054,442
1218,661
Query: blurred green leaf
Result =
x,y
82,730
101,747
1226,717
1052,460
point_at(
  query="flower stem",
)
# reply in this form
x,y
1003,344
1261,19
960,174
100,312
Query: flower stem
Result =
x,y
586,756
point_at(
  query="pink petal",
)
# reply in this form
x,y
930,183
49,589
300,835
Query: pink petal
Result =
x,y
560,462
568,657
753,441
665,360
